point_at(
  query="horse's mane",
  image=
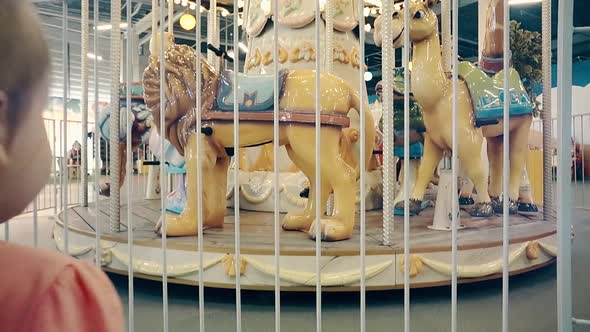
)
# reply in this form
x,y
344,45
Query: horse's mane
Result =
x,y
180,91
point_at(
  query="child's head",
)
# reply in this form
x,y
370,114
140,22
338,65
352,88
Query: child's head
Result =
x,y
24,66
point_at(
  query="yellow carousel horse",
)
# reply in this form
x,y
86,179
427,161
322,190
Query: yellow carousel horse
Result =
x,y
296,133
432,88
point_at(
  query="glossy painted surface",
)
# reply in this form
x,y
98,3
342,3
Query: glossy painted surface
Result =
x,y
338,176
433,90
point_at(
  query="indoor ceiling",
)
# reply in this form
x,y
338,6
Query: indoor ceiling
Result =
x,y
529,15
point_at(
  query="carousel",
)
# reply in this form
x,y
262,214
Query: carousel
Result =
x,y
215,201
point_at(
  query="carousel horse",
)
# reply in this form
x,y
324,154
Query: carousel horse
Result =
x,y
296,132
480,100
491,62
141,123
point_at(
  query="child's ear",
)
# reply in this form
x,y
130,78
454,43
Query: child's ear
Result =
x,y
4,128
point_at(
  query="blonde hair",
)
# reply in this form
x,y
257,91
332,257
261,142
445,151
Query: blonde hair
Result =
x,y
24,59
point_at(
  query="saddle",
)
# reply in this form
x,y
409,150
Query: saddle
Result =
x,y
256,101
487,94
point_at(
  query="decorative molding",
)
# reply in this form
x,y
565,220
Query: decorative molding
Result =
x,y
479,270
309,278
154,268
229,265
73,250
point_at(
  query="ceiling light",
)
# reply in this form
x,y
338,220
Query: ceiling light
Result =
x,y
185,3
188,21
104,27
373,11
367,27
523,2
224,12
192,6
368,76
94,56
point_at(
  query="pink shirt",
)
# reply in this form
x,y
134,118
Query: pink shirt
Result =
x,y
44,291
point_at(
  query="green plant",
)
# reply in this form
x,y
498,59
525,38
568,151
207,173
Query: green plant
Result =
x,y
526,58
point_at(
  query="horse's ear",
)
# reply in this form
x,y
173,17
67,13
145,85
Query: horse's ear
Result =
x,y
431,3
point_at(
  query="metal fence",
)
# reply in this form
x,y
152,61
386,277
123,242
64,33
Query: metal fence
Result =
x,y
570,133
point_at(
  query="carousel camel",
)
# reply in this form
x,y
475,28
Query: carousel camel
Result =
x,y
297,100
433,89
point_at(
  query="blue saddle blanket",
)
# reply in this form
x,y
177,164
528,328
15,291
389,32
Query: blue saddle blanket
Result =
x,y
255,93
416,150
487,94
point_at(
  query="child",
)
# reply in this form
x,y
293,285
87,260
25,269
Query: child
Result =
x,y
39,290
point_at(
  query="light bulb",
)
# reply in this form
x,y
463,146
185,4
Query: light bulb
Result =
x,y
177,2
188,21
368,76
185,3
373,11
224,12
192,6
367,27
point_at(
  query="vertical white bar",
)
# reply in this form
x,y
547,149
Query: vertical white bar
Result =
x,y
97,144
405,63
564,194
236,158
170,16
277,215
388,158
129,170
54,167
115,120
318,186
583,159
163,182
85,40
199,170
454,162
546,113
362,163
35,225
506,171
65,173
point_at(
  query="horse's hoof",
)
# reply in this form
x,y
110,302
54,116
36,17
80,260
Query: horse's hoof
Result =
x,y
331,230
466,200
528,208
498,206
415,207
296,221
482,210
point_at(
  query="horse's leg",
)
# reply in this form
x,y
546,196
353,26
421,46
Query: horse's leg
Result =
x,y
472,163
430,160
495,145
518,154
301,151
215,192
342,178
186,222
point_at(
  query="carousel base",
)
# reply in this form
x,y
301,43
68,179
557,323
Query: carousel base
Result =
x,y
533,245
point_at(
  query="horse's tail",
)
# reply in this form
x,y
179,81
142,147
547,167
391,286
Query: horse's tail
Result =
x,y
370,133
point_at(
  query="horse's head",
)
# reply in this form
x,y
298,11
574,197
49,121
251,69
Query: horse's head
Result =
x,y
179,89
423,23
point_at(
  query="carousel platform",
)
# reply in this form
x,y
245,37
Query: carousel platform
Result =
x,y
533,245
